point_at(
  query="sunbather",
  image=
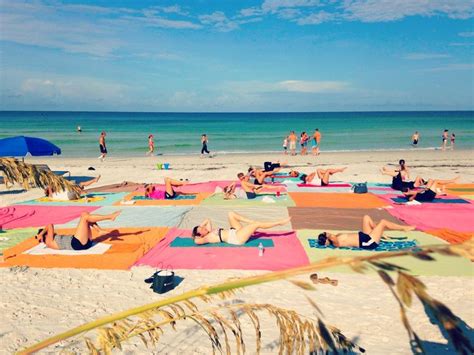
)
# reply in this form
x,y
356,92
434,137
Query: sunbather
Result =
x,y
273,167
168,193
368,238
237,234
323,174
82,237
400,175
432,188
69,195
260,175
252,190
230,191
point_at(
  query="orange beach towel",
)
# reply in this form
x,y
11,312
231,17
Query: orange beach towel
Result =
x,y
336,200
196,201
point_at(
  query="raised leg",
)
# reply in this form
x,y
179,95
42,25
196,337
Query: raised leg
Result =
x,y
310,177
377,232
244,233
90,182
367,224
170,183
83,231
235,219
419,181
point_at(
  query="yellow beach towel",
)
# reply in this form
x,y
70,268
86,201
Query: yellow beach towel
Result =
x,y
81,200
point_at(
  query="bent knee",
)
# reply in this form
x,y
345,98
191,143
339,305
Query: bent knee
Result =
x,y
85,214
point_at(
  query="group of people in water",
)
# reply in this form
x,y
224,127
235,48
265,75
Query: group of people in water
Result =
x,y
251,184
291,141
415,139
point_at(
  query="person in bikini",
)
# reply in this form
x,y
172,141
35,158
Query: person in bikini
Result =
x,y
260,175
251,190
368,238
69,195
238,234
168,193
82,237
151,145
400,175
322,174
432,188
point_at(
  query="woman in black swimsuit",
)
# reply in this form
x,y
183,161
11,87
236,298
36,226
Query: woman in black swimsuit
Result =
x,y
323,174
429,194
399,176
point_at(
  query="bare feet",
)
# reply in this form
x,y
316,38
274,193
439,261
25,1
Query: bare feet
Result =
x,y
409,228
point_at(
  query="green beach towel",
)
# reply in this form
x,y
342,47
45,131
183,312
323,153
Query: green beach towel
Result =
x,y
179,197
179,242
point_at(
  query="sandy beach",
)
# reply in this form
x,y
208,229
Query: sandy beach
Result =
x,y
37,303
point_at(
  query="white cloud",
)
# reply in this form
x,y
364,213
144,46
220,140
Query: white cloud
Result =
x,y
392,10
275,5
251,11
315,18
222,23
294,86
451,67
466,34
423,56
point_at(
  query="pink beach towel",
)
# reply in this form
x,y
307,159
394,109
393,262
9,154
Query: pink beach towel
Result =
x,y
330,185
20,216
286,253
433,216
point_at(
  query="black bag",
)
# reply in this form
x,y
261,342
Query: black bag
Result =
x,y
161,281
360,188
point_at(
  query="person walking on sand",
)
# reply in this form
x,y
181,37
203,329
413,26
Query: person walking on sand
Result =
x,y
292,138
444,137
204,141
453,140
316,141
285,145
151,145
415,138
102,146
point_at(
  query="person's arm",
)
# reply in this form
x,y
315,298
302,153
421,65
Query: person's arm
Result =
x,y
200,240
334,240
207,224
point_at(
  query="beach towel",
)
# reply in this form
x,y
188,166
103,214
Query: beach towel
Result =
x,y
383,245
325,186
125,186
92,199
179,197
287,252
451,236
127,246
336,200
335,218
218,200
444,265
180,242
460,189
219,215
20,216
319,189
457,217
436,200
42,249
140,216
11,237
206,187
142,201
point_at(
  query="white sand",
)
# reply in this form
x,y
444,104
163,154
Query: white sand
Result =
x,y
37,303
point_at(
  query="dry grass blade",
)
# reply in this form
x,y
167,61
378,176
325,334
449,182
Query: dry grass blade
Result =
x,y
303,284
315,306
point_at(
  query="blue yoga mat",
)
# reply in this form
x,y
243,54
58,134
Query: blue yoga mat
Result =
x,y
436,200
383,246
179,197
179,242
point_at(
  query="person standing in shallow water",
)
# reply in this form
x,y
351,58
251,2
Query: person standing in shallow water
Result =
x,y
204,141
316,141
415,138
102,146
453,140
151,145
445,139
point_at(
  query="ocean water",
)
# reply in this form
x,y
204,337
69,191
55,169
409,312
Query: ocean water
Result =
x,y
179,133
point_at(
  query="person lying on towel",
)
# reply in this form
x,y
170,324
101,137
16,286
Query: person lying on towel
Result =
x,y
238,234
82,238
368,238
168,193
69,195
430,191
323,175
252,190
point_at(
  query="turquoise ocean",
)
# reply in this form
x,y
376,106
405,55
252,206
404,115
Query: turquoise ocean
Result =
x,y
179,133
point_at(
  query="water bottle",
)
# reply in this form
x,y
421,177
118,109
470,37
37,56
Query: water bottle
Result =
x,y
260,249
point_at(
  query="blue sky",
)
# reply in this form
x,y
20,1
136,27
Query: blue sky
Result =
x,y
222,55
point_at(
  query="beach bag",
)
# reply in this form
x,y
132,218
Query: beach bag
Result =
x,y
162,281
360,188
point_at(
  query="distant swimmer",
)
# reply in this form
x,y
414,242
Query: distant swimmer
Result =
x,y
316,141
102,146
444,138
151,145
79,129
415,138
453,140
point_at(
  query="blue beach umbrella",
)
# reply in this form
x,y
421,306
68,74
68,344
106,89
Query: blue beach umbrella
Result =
x,y
20,146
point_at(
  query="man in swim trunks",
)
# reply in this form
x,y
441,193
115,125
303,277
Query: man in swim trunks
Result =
x,y
102,146
415,138
292,138
444,139
251,190
316,141
323,174
238,234
368,238
429,193
69,195
168,193
82,238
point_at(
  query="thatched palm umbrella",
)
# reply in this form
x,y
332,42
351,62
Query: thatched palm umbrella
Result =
x,y
28,175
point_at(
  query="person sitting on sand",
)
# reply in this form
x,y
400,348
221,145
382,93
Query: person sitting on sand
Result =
x,y
399,177
237,234
69,195
323,174
82,237
429,193
252,190
168,193
368,238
